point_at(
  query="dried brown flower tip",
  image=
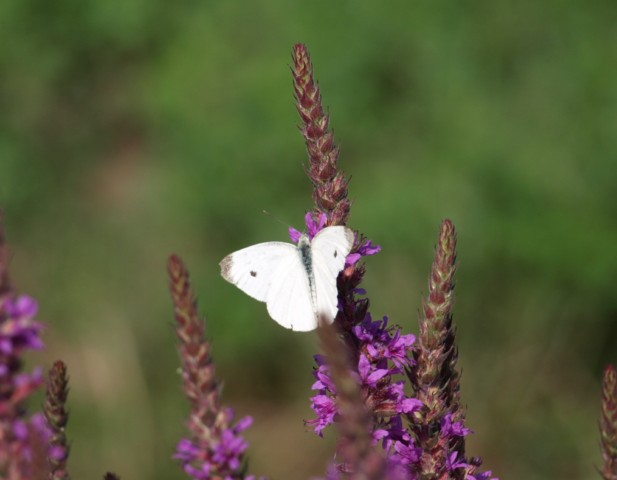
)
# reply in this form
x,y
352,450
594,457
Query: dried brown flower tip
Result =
x,y
329,184
198,375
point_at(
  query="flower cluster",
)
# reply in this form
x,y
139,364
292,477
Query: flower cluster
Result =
x,y
215,448
384,353
423,436
223,452
23,440
19,436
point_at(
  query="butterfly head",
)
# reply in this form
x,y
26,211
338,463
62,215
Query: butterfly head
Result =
x,y
304,240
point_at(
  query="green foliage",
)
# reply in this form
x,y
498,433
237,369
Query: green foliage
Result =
x,y
133,129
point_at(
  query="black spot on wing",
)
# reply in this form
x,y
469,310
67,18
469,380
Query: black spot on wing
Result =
x,y
253,273
335,254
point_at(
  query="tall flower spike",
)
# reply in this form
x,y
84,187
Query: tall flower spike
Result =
x,y
329,184
57,418
361,461
435,379
439,426
608,424
215,448
378,352
329,187
20,437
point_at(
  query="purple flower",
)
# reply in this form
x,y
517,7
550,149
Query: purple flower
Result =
x,y
229,449
383,352
380,344
366,249
453,462
222,455
324,382
18,330
312,227
453,429
406,453
324,407
370,376
22,307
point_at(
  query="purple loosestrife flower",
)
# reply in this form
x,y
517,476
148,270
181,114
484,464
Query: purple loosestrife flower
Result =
x,y
433,445
22,439
608,424
379,353
438,426
383,353
215,448
329,188
359,459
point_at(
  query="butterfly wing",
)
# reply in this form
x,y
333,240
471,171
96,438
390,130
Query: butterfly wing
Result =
x,y
273,272
253,268
329,249
289,298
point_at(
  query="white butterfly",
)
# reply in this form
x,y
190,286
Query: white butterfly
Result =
x,y
297,282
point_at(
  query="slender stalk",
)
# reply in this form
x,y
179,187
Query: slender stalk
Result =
x,y
215,449
435,378
608,424
57,418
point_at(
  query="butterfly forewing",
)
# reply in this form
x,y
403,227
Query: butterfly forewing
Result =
x,y
252,268
329,249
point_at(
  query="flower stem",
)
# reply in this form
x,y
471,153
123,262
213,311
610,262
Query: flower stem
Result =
x,y
608,424
57,418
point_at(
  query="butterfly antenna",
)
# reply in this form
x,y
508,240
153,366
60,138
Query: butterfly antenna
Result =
x,y
266,212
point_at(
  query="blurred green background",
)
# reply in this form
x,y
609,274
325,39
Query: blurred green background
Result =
x,y
133,129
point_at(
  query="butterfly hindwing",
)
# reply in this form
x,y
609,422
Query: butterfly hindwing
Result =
x,y
289,298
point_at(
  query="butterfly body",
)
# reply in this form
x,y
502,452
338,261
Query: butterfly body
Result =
x,y
297,282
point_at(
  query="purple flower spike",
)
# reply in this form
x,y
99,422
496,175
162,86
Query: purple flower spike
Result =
x,y
216,447
23,442
453,429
